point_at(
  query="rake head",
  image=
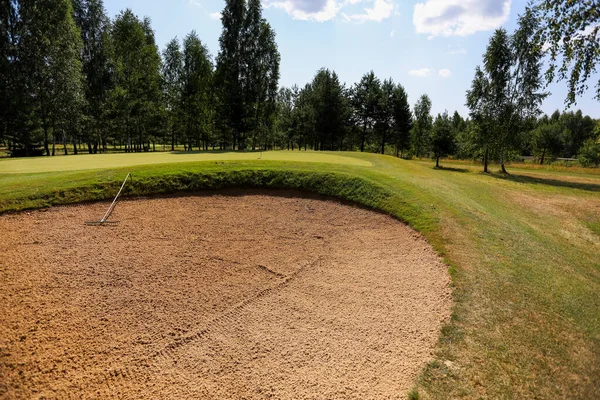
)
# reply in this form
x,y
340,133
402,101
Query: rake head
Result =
x,y
98,223
104,220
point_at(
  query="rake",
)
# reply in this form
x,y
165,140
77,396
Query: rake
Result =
x,y
104,220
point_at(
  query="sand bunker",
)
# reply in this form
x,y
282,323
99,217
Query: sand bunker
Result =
x,y
214,297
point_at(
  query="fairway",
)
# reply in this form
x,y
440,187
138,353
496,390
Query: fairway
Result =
x,y
522,249
98,161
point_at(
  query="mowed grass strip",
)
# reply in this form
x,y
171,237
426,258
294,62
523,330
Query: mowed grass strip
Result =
x,y
523,252
117,160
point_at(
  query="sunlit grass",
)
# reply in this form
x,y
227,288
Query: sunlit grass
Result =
x,y
118,160
523,250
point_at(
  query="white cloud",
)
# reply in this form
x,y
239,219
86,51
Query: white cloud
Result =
x,y
459,17
196,3
421,73
317,10
444,73
393,33
215,15
381,10
325,10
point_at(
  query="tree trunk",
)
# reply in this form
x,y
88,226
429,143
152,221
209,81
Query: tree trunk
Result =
x,y
363,136
437,162
485,160
53,143
543,155
46,148
65,143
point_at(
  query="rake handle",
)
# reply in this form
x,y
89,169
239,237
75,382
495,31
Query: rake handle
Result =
x,y
112,206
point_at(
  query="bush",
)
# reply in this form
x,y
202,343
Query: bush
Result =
x,y
589,153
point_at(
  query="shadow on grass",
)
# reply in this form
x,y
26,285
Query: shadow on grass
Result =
x,y
184,152
450,169
591,187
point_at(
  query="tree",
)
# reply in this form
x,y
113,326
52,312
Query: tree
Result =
x,y
304,116
136,98
505,95
497,61
15,105
589,154
481,112
269,60
547,138
285,107
442,137
50,46
571,31
384,113
403,121
196,96
576,130
228,71
172,80
422,127
247,72
365,96
330,109
93,24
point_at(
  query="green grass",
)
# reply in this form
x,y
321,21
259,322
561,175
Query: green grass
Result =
x,y
523,251
116,160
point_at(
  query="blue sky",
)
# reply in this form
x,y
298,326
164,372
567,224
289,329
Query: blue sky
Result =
x,y
429,46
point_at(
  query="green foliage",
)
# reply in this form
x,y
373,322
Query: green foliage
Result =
x,y
285,110
364,99
384,113
589,154
402,120
172,87
331,110
136,99
196,93
570,29
45,72
422,128
93,24
247,74
547,139
506,93
443,136
577,129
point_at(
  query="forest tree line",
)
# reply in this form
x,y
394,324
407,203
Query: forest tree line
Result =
x,y
74,80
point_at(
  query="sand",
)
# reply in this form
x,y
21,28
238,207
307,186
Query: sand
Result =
x,y
237,294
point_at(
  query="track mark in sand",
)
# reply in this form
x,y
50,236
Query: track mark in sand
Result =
x,y
270,271
235,310
217,324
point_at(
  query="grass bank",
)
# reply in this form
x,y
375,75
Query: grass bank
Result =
x,y
523,251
